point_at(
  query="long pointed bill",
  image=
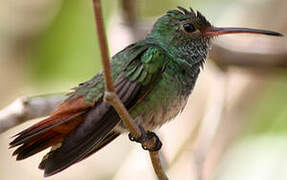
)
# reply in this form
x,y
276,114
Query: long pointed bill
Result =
x,y
215,31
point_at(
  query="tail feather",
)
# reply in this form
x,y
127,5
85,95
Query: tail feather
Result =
x,y
50,131
42,142
63,111
38,129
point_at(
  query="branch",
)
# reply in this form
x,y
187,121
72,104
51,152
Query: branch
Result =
x,y
157,165
112,98
223,55
27,108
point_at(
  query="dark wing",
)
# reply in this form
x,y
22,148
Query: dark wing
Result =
x,y
108,138
98,123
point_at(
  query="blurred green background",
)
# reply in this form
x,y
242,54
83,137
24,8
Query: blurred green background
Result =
x,y
51,46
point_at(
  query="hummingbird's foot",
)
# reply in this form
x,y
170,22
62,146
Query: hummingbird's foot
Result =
x,y
149,140
153,143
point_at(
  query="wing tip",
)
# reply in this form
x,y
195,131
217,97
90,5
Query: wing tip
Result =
x,y
50,172
52,167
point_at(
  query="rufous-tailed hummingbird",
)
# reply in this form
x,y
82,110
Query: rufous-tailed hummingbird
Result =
x,y
153,79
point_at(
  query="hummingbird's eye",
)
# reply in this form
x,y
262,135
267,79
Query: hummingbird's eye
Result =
x,y
188,27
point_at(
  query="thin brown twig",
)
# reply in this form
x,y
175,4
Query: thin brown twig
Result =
x,y
103,46
112,98
110,95
157,165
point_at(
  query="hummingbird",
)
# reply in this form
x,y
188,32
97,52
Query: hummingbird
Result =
x,y
153,78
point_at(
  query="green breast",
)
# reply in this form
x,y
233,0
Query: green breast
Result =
x,y
166,99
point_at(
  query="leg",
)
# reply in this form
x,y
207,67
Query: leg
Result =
x,y
149,140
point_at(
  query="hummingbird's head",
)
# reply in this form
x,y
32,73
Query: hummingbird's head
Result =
x,y
188,33
181,24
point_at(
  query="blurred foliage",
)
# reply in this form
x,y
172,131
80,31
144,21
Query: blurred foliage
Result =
x,y
68,49
269,114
